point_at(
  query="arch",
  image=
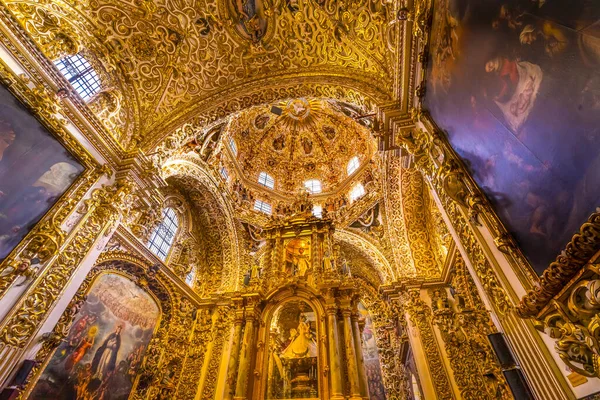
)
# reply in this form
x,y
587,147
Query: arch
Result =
x,y
215,108
296,321
164,100
370,251
192,172
276,298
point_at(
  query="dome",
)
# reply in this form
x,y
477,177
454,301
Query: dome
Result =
x,y
297,142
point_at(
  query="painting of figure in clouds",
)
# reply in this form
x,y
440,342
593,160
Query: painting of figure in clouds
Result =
x,y
516,84
35,170
101,355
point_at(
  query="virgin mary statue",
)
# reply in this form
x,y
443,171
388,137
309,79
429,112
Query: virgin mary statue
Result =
x,y
302,344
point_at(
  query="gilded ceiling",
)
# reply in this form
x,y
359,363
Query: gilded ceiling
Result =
x,y
171,60
311,139
180,77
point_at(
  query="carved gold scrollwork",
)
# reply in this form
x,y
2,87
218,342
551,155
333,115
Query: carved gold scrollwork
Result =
x,y
464,325
573,321
421,318
47,237
577,253
102,210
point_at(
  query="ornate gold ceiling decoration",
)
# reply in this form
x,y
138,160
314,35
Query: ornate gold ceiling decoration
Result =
x,y
175,58
311,139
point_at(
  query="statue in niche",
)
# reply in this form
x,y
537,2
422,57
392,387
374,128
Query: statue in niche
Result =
x,y
307,145
261,121
250,19
302,342
279,143
297,261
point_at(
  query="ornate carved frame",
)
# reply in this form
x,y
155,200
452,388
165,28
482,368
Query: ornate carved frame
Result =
x,y
274,301
46,238
131,267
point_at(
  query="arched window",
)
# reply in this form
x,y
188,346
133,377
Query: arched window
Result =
x,y
162,238
357,192
223,172
313,186
261,206
318,210
266,180
80,74
233,146
353,165
189,278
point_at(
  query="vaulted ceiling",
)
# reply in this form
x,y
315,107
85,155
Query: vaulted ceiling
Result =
x,y
181,77
173,60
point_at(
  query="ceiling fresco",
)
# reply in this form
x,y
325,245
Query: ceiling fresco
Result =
x,y
516,84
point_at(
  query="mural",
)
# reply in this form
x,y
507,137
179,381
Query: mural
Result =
x,y
371,357
516,84
35,170
105,346
292,371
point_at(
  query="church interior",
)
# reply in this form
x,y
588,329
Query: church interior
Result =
x,y
299,199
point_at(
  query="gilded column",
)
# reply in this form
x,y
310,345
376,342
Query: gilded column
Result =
x,y
360,360
234,355
245,358
334,354
355,393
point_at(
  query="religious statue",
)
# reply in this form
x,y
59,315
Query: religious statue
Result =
x,y
302,342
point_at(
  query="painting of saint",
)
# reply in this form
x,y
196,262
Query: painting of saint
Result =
x,y
35,170
105,346
307,145
249,18
516,84
261,121
279,143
